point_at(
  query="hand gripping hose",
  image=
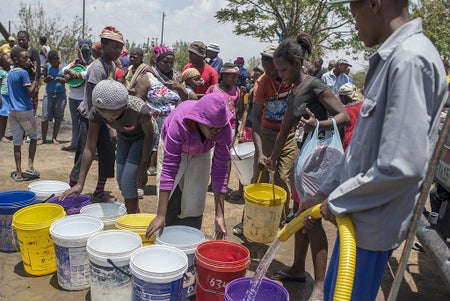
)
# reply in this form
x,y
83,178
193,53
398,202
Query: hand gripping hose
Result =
x,y
347,250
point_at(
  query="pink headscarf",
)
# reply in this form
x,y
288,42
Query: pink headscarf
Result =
x,y
162,52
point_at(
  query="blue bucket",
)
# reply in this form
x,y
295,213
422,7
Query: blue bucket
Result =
x,y
10,202
70,205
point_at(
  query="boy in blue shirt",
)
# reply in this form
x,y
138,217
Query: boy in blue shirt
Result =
x,y
21,115
54,101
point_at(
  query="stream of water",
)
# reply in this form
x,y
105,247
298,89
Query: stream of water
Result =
x,y
261,270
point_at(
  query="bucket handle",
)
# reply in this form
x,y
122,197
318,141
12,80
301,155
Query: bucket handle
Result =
x,y
117,268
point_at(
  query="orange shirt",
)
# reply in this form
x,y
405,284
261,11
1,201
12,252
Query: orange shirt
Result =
x,y
272,94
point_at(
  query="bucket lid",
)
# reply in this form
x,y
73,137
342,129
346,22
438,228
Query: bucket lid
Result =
x,y
158,264
181,237
75,227
76,82
262,194
243,151
37,216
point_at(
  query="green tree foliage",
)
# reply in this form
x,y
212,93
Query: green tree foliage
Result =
x,y
180,50
270,19
436,22
60,33
253,62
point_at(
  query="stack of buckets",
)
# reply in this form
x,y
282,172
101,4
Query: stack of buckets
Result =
x,y
138,224
185,239
11,202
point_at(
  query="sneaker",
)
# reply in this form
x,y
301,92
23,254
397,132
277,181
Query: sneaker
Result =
x,y
151,172
140,193
238,230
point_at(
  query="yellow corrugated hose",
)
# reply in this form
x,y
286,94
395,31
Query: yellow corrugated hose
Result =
x,y
347,250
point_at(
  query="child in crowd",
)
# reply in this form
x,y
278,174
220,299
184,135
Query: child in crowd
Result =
x,y
227,88
191,80
352,101
21,114
5,64
132,120
54,101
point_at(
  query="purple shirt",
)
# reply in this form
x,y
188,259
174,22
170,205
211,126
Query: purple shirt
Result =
x,y
182,135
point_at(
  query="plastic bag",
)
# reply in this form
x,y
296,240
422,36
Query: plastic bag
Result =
x,y
316,160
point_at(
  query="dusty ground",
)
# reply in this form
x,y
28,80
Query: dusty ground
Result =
x,y
421,281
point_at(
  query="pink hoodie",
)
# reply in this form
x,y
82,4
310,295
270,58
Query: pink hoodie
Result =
x,y
181,134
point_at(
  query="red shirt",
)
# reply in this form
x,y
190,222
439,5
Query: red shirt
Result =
x,y
208,75
353,112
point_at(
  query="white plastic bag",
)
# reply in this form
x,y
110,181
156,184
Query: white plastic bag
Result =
x,y
316,160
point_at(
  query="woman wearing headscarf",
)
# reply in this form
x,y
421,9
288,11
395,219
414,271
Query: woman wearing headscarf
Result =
x,y
135,80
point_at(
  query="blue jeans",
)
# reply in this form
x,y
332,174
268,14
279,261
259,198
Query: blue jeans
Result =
x,y
128,157
73,106
369,271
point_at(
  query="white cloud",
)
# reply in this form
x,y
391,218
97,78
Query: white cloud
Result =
x,y
186,20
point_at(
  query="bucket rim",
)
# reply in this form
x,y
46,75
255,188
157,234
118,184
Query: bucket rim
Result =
x,y
20,225
58,236
91,250
247,155
280,195
222,264
185,247
263,281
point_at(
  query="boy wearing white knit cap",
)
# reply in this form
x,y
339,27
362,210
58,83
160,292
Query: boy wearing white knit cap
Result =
x,y
132,120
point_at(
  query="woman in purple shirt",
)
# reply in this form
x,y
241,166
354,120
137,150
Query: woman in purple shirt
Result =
x,y
188,136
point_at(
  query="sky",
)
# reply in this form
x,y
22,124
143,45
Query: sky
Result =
x,y
139,20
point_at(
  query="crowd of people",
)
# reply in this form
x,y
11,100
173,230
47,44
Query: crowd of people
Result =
x,y
145,118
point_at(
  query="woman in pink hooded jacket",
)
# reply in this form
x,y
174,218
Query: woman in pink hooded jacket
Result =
x,y
188,136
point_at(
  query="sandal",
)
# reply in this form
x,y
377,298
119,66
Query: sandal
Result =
x,y
31,174
285,275
16,178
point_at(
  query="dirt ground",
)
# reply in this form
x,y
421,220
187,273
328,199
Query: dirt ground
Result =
x,y
421,280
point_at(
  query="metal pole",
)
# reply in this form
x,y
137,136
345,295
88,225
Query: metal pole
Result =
x,y
84,17
419,210
9,27
162,29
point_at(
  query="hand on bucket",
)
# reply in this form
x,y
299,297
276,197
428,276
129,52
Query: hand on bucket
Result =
x,y
157,224
75,191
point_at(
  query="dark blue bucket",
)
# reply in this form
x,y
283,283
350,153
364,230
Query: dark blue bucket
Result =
x,y
10,202
70,205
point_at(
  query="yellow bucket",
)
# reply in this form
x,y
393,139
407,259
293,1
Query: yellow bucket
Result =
x,y
262,212
32,226
138,224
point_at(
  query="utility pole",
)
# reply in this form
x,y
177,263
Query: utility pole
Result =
x,y
9,27
84,17
162,29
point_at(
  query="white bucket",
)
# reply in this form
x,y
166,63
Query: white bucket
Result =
x,y
70,235
243,156
47,188
109,257
107,212
157,273
185,239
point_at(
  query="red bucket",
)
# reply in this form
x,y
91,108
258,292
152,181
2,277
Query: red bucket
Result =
x,y
219,262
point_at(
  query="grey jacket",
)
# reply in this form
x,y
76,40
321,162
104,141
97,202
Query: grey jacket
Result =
x,y
378,181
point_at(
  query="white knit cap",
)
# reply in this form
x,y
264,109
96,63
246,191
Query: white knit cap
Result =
x,y
109,94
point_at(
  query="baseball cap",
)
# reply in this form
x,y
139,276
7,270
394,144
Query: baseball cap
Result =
x,y
198,48
270,50
343,62
213,47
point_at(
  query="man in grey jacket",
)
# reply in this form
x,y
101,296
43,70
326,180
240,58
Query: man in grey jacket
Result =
x,y
377,183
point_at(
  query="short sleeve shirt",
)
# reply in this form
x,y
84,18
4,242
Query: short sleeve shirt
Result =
x,y
4,79
18,79
208,76
272,94
54,86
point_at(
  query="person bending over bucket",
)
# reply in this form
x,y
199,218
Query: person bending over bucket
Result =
x,y
193,132
132,120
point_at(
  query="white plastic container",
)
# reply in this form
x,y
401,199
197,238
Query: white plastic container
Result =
x,y
157,273
70,235
107,212
243,156
46,188
185,239
109,257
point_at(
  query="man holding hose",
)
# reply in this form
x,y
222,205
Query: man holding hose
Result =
x,y
377,183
